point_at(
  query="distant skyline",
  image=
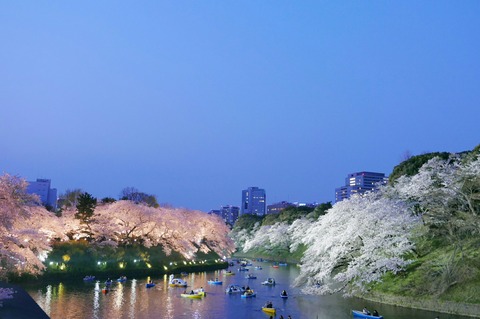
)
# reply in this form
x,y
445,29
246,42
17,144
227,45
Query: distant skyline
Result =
x,y
195,101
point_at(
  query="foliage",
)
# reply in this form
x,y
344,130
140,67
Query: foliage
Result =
x,y
247,221
411,166
419,235
24,233
28,232
108,200
85,207
69,199
358,241
133,194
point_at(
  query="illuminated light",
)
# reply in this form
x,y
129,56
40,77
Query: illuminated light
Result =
x,y
134,260
171,263
121,264
99,262
25,240
51,263
66,258
184,262
165,267
148,265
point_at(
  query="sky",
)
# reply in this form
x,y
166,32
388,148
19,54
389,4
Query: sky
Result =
x,y
193,101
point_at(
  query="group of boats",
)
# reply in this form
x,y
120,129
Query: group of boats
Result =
x,y
243,291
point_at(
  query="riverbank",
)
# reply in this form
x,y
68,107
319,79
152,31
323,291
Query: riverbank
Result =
x,y
456,308
114,273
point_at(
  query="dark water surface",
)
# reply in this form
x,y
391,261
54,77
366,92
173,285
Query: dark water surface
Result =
x,y
78,300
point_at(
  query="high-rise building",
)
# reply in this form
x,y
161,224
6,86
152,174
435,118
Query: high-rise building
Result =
x,y
253,201
278,207
229,213
41,187
359,183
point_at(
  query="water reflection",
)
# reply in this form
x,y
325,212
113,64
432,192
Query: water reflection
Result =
x,y
132,300
96,302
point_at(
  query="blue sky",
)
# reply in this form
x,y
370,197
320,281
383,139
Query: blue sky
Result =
x,y
194,101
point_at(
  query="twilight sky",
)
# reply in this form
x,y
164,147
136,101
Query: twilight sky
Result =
x,y
194,101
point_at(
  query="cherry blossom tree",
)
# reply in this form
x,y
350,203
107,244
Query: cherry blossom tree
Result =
x,y
355,243
24,230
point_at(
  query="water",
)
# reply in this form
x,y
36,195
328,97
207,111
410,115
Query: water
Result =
x,y
77,300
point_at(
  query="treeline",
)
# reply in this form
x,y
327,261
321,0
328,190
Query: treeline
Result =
x,y
418,236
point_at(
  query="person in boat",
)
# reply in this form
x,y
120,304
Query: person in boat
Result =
x,y
192,293
269,304
281,317
375,313
201,289
284,293
289,317
365,311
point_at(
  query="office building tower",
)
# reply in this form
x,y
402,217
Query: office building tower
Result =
x,y
229,213
48,196
359,183
278,207
253,201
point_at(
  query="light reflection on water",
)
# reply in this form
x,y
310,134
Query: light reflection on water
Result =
x,y
132,300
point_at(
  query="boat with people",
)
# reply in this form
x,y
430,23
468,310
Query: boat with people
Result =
x,y
122,279
109,282
88,278
191,296
243,269
228,273
282,264
200,291
176,282
234,289
268,308
269,282
250,276
150,284
249,293
361,314
284,294
258,267
215,282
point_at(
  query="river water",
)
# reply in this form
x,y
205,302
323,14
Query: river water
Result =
x,y
78,300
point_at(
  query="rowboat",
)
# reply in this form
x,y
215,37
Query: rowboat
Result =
x,y
269,310
269,282
233,289
359,314
150,285
249,294
214,282
192,296
122,279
